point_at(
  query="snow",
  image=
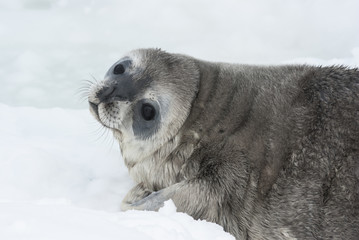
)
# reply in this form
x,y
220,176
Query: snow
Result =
x,y
60,221
61,174
58,182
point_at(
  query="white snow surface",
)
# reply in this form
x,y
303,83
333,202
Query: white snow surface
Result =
x,y
58,182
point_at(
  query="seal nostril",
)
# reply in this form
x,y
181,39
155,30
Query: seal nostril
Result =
x,y
119,69
106,93
109,91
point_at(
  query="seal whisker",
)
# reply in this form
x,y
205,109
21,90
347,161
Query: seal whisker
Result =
x,y
83,91
102,131
95,81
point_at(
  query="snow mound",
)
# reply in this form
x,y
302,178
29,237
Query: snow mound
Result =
x,y
61,221
58,182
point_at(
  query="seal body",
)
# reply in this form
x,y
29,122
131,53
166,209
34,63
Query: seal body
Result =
x,y
268,152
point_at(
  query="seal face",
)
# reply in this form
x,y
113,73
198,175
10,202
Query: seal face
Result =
x,y
267,152
145,101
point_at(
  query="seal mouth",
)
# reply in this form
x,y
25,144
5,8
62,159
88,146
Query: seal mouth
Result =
x,y
94,108
95,112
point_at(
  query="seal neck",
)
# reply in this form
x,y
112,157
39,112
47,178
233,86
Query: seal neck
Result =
x,y
207,83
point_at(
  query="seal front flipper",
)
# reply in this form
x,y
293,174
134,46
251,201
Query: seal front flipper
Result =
x,y
136,194
197,197
152,202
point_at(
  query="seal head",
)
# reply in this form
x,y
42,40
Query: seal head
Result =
x,y
144,100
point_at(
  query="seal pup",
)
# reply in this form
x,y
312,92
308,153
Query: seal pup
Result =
x,y
268,152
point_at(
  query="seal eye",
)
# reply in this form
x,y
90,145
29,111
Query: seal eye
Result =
x,y
119,69
148,112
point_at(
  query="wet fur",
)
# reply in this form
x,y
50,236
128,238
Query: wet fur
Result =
x,y
266,152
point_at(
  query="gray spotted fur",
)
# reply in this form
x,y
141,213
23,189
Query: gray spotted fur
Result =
x,y
266,152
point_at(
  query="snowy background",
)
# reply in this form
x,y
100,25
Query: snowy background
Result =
x,y
61,176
